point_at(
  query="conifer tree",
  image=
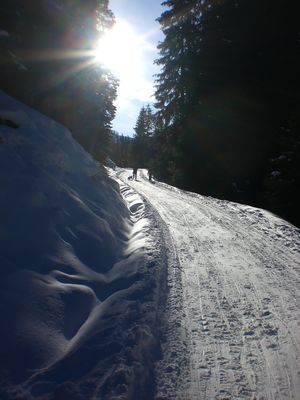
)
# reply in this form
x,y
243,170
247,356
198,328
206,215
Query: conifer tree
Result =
x,y
227,87
145,122
144,130
172,88
42,35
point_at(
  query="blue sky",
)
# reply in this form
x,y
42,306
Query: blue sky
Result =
x,y
141,16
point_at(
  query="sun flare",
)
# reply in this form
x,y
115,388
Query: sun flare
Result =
x,y
120,50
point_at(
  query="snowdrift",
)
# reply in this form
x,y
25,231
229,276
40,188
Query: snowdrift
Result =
x,y
80,279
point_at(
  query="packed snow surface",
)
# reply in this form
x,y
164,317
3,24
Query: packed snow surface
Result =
x,y
232,326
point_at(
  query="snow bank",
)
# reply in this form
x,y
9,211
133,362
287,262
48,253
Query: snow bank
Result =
x,y
80,270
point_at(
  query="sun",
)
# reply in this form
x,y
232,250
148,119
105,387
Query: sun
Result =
x,y
120,50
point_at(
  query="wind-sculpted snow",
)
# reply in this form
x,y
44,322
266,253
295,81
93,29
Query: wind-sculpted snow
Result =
x,y
80,270
101,280
233,309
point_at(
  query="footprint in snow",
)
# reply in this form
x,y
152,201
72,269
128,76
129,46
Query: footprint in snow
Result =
x,y
249,333
204,323
271,330
266,313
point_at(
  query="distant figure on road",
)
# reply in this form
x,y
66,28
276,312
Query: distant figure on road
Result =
x,y
134,173
150,174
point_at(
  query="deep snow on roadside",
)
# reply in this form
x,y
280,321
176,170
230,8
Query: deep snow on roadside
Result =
x,y
233,310
84,262
80,270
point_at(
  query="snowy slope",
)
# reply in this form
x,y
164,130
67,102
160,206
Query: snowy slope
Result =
x,y
87,264
233,310
80,270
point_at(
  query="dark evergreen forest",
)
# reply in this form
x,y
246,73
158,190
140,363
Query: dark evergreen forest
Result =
x,y
46,62
120,150
227,120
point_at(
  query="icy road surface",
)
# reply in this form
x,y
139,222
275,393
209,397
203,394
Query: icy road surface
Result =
x,y
232,315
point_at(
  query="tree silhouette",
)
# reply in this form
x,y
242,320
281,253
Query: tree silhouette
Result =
x,y
227,99
45,63
142,143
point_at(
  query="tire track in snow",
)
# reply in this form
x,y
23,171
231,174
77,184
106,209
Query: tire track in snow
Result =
x,y
269,329
240,299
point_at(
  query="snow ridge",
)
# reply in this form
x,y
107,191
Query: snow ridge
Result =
x,y
80,271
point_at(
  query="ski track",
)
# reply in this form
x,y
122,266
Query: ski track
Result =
x,y
232,328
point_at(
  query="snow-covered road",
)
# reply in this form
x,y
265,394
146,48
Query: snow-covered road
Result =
x,y
94,292
232,315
